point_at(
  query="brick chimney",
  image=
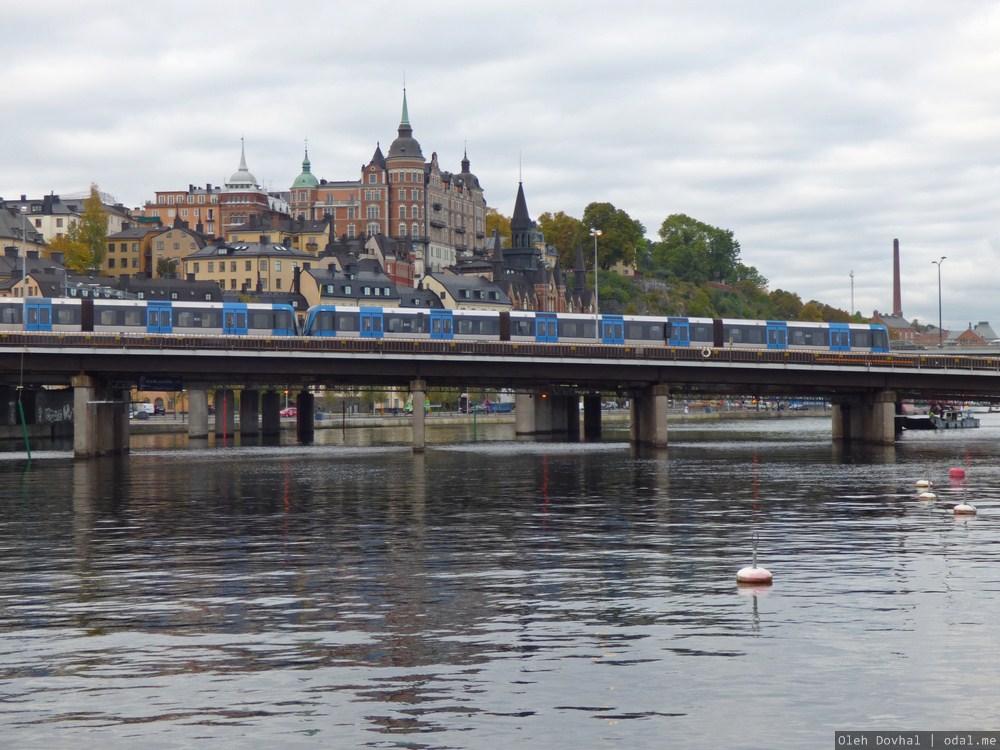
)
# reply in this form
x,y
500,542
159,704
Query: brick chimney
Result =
x,y
897,295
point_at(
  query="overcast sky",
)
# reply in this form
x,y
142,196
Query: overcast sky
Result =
x,y
816,131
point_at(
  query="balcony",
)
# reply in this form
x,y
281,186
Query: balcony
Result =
x,y
437,223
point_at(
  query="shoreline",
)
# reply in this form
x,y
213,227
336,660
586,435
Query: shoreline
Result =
x,y
170,424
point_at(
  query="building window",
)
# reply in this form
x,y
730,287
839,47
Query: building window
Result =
x,y
350,213
347,289
211,266
402,212
249,266
350,231
385,291
367,291
372,178
135,247
201,198
111,262
416,229
159,245
59,222
277,265
263,264
195,266
135,262
232,266
372,212
402,230
372,230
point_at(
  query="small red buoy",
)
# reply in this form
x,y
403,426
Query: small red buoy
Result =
x,y
956,472
754,575
964,509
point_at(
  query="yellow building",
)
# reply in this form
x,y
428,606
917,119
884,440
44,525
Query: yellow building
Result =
x,y
250,266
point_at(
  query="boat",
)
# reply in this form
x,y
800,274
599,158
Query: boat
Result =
x,y
953,419
942,418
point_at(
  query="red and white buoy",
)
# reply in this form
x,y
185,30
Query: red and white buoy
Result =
x,y
754,576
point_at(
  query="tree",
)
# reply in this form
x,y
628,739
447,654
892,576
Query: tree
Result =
x,y
87,241
565,232
785,305
698,252
496,220
622,237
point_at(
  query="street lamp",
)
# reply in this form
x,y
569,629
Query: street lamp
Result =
x,y
595,233
940,329
24,250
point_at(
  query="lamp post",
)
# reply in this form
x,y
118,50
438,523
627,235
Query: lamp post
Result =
x,y
940,329
24,251
595,233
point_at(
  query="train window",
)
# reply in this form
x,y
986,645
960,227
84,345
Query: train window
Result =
x,y
347,322
105,317
701,332
521,327
184,319
260,319
10,314
570,329
66,315
133,318
861,339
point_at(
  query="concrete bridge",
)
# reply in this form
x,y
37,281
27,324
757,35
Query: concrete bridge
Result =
x,y
548,379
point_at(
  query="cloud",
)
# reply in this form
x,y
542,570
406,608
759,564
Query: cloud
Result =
x,y
816,132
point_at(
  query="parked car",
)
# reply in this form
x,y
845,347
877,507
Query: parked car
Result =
x,y
158,409
289,411
140,415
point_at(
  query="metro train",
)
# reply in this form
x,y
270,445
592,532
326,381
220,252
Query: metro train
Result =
x,y
254,319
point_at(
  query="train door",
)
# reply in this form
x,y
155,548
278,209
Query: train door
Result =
x,y
546,328
371,322
442,325
38,315
159,317
678,332
612,329
840,337
234,319
777,334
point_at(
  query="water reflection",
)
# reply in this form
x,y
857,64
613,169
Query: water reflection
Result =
x,y
496,593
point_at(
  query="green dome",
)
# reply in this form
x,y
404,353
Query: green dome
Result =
x,y
307,179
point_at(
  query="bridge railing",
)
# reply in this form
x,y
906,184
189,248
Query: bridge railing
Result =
x,y
468,347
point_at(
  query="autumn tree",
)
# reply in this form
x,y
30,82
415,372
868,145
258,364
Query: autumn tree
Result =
x,y
497,221
86,243
565,233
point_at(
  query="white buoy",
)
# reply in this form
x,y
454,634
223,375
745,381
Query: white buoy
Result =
x,y
929,496
923,484
754,576
964,509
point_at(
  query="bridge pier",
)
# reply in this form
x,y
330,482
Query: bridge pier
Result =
x,y
649,416
270,414
592,416
524,414
869,418
249,414
197,414
418,389
100,418
305,416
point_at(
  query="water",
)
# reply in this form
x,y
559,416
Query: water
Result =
x,y
499,594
